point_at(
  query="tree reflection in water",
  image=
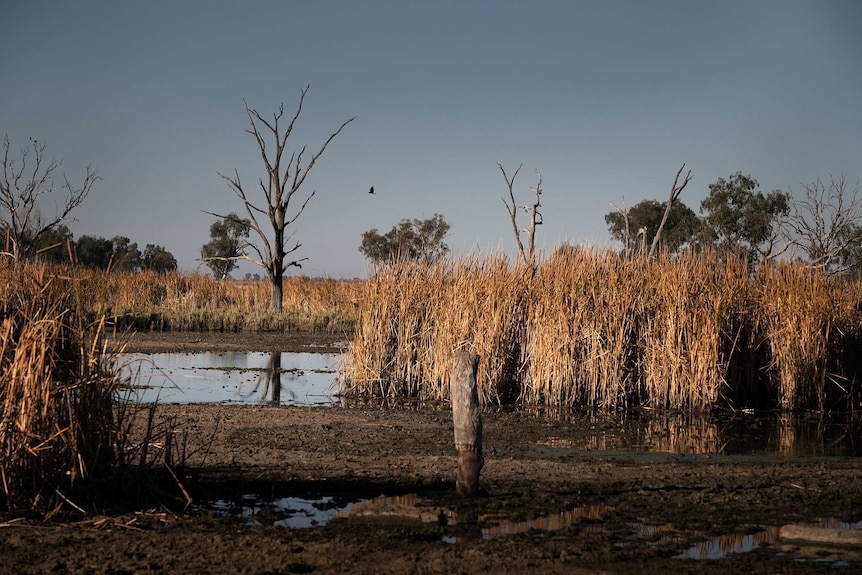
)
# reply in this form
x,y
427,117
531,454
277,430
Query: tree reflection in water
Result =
x,y
274,378
270,378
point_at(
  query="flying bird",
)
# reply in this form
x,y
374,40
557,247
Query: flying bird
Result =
x,y
371,191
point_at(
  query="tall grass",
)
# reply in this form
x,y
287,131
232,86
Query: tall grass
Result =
x,y
56,390
65,415
196,302
593,330
412,317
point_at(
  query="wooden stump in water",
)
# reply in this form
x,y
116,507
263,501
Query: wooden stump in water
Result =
x,y
468,423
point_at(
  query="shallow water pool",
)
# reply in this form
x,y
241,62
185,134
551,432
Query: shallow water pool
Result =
x,y
277,378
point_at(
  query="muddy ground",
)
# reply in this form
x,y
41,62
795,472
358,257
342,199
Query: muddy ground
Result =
x,y
623,511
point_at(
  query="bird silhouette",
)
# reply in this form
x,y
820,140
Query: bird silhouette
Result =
x,y
371,191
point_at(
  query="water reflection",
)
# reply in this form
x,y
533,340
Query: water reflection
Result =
x,y
290,512
275,378
549,523
298,513
727,433
724,545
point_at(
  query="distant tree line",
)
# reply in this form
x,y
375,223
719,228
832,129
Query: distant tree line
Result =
x,y
823,228
118,253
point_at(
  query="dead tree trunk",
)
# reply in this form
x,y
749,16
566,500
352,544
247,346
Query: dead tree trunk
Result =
x,y
527,255
467,418
675,191
284,177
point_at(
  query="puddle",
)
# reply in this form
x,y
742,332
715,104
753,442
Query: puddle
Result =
x,y
290,512
300,513
233,377
724,545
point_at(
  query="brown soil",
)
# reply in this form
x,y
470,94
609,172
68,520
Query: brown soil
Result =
x,y
647,508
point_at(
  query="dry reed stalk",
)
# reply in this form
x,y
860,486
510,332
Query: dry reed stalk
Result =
x,y
56,395
198,302
415,315
681,361
482,309
580,330
808,319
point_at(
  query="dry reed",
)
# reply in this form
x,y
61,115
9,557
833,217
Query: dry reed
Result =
x,y
147,301
56,390
64,441
585,329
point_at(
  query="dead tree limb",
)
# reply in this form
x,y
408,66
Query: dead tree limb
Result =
x,y
525,255
675,191
24,185
624,212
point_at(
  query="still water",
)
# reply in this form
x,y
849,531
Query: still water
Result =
x,y
308,379
233,377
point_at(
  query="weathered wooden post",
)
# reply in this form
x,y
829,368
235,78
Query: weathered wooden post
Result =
x,y
468,423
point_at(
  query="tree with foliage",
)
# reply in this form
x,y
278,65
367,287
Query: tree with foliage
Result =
x,y
825,225
127,256
644,218
409,240
742,220
281,182
118,253
158,259
227,244
94,252
24,186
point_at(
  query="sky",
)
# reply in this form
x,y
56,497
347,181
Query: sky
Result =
x,y
606,98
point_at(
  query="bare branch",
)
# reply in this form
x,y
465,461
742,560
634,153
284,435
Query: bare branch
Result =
x,y
675,190
279,184
625,214
23,184
826,222
510,183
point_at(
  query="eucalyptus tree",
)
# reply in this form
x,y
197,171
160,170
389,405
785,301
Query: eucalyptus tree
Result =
x,y
420,240
669,225
228,240
740,219
636,226
158,259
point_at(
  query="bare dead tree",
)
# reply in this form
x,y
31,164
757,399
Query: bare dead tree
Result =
x,y
675,190
624,212
282,181
532,210
826,222
23,187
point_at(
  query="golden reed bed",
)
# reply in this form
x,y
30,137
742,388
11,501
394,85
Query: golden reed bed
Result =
x,y
593,330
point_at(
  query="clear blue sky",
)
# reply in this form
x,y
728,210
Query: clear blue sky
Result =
x,y
606,98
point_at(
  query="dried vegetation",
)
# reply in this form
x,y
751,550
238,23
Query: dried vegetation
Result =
x,y
593,330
